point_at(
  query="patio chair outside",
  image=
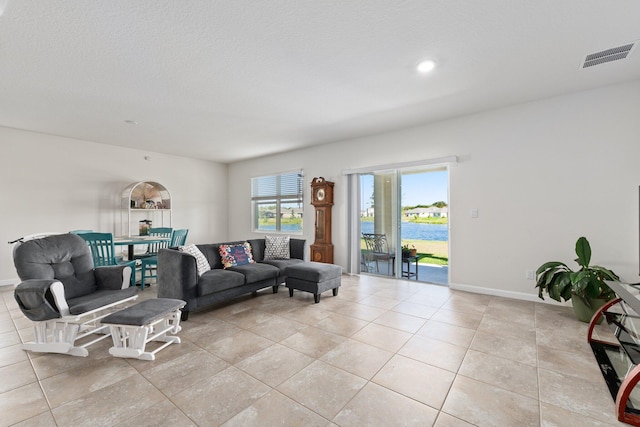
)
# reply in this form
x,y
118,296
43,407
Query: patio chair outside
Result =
x,y
378,250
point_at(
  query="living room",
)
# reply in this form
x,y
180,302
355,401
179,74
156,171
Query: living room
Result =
x,y
542,162
523,167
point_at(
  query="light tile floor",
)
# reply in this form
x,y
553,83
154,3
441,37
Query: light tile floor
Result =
x,y
383,352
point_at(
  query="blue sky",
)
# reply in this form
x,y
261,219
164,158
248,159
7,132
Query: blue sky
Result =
x,y
417,188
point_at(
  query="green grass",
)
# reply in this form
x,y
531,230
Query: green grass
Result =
x,y
430,251
429,220
431,259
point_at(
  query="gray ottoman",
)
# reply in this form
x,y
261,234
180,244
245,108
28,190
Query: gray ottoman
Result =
x,y
150,320
314,277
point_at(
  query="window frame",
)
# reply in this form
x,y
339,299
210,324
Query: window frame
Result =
x,y
261,195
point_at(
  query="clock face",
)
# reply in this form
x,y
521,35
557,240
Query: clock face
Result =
x,y
320,194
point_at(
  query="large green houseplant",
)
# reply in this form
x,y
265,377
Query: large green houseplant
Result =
x,y
585,287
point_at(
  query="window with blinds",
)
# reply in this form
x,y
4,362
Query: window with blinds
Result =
x,y
277,203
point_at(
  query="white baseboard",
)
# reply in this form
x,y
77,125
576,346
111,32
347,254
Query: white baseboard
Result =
x,y
502,293
9,282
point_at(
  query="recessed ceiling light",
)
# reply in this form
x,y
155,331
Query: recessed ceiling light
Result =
x,y
426,66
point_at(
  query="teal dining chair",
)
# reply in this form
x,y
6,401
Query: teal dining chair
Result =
x,y
103,252
153,248
150,263
179,237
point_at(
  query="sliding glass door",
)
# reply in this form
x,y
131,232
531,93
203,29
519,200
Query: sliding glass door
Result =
x,y
404,223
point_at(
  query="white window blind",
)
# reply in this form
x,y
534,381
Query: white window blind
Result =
x,y
277,202
287,185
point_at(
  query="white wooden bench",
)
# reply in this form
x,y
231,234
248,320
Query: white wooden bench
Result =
x,y
149,320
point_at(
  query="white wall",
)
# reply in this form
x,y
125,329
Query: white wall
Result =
x,y
541,175
50,183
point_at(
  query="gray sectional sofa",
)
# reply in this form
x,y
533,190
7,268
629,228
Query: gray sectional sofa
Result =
x,y
178,277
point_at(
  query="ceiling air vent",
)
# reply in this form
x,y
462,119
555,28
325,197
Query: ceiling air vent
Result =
x,y
608,55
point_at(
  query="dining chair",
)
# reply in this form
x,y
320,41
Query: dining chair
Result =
x,y
103,252
150,263
152,248
378,250
179,237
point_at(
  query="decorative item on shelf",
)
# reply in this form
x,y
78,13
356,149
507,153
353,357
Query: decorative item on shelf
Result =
x,y
322,200
586,287
144,200
145,225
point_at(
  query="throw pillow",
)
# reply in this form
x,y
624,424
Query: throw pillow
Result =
x,y
234,255
202,265
276,247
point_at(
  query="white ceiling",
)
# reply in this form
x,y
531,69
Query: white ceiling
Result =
x,y
228,80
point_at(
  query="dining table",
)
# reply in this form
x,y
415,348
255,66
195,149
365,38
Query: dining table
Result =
x,y
131,241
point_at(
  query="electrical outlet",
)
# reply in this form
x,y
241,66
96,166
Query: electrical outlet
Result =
x,y
530,275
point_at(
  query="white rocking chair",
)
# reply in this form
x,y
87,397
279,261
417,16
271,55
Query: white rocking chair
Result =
x,y
64,295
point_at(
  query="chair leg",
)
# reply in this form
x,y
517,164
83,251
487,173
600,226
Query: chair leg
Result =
x,y
144,276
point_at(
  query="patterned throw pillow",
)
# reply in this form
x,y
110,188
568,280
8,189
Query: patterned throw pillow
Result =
x,y
276,247
233,255
202,264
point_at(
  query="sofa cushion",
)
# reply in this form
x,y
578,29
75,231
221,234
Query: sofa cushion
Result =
x,y
218,280
233,255
65,257
98,299
78,285
282,263
212,254
276,247
202,264
257,249
256,272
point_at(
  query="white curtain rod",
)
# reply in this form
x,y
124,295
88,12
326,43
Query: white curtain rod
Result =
x,y
417,163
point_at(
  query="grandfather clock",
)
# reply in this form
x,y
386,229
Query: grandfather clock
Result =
x,y
322,199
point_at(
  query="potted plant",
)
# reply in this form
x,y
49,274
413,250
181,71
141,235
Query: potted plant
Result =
x,y
585,287
408,251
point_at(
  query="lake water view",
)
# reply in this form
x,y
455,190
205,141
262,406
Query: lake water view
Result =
x,y
410,230
415,231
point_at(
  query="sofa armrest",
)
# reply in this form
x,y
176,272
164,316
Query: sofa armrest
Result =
x,y
177,275
41,299
113,277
